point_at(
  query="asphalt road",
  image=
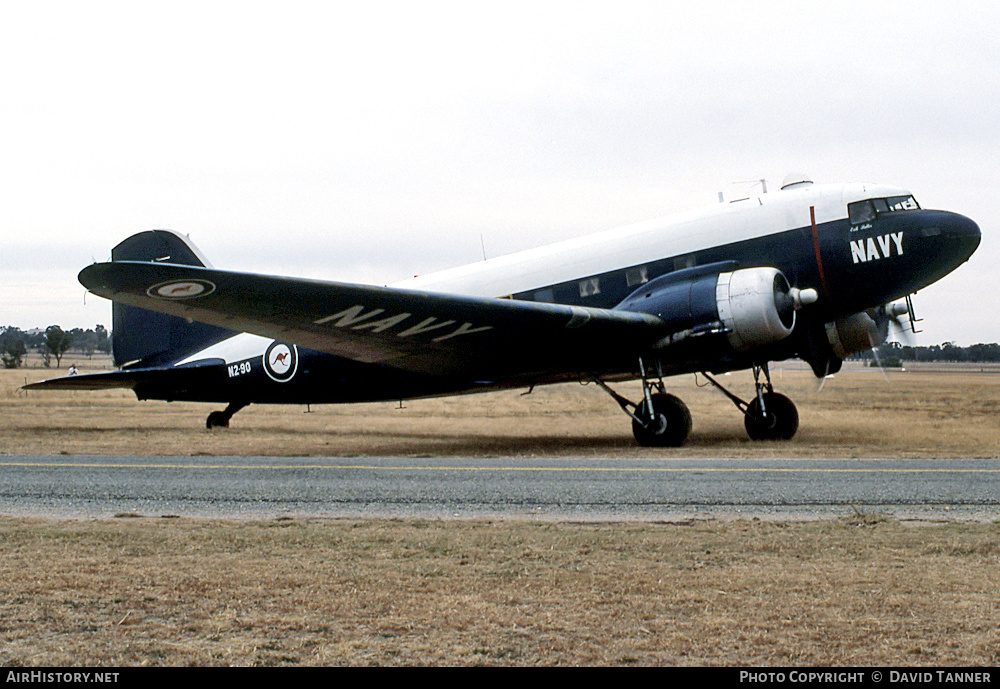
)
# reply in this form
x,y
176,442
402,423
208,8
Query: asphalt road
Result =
x,y
90,486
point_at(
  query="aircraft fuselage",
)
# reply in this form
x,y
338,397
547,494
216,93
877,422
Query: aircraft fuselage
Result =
x,y
858,246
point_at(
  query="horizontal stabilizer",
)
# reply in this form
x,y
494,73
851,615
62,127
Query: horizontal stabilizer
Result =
x,y
129,379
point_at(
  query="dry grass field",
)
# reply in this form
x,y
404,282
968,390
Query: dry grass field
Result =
x,y
863,590
176,592
859,413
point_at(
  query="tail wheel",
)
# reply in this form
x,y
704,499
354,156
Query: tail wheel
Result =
x,y
667,426
779,419
220,419
217,419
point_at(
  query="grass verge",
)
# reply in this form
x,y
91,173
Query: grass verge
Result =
x,y
857,591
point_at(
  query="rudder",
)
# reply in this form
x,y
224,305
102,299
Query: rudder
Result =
x,y
148,338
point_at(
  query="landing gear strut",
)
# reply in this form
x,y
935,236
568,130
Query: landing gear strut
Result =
x,y
220,419
661,419
769,415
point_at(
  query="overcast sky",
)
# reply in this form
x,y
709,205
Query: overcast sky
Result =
x,y
371,142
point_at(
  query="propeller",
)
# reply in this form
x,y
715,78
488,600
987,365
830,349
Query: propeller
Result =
x,y
788,300
892,315
878,360
866,330
904,329
884,317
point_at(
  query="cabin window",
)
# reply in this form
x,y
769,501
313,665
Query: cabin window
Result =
x,y
682,262
636,276
590,287
546,295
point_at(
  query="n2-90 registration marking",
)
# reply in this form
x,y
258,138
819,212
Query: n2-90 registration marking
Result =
x,y
238,369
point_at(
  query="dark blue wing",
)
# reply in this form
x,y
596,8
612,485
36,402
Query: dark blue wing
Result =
x,y
410,330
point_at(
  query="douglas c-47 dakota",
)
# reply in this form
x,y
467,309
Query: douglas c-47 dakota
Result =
x,y
813,271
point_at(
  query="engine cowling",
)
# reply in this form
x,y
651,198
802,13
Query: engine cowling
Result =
x,y
752,306
826,346
853,334
865,330
756,305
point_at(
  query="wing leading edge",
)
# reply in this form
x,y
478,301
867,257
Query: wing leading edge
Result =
x,y
415,331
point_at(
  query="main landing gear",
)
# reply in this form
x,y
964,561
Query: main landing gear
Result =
x,y
663,420
220,419
769,415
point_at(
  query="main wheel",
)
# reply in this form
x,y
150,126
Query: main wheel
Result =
x,y
779,419
667,426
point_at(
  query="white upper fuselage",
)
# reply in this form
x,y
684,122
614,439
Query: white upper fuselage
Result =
x,y
674,235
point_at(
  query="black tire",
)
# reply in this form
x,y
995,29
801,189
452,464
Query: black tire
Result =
x,y
217,419
779,421
670,425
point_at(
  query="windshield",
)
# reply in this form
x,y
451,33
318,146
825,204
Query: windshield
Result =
x,y
866,211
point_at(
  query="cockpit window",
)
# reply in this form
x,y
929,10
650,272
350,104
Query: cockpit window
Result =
x,y
902,203
861,212
866,211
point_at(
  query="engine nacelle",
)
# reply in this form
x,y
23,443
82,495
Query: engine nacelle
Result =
x,y
865,330
852,334
752,306
756,306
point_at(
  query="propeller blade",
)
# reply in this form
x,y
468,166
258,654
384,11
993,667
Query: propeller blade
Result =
x,y
878,360
822,381
903,330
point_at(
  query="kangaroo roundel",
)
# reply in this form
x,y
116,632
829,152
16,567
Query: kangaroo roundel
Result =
x,y
181,289
280,361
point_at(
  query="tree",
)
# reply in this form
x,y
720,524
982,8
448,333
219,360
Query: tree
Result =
x,y
90,341
57,342
85,341
103,339
12,347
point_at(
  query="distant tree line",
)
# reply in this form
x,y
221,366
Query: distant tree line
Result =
x,y
949,351
51,343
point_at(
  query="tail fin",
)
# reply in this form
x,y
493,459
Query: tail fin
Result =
x,y
147,337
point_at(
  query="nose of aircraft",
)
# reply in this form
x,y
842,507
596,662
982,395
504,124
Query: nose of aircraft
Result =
x,y
933,243
965,233
957,238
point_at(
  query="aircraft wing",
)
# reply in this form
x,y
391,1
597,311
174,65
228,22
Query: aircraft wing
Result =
x,y
410,330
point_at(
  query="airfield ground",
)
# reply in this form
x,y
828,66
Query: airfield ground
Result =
x,y
861,590
858,413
